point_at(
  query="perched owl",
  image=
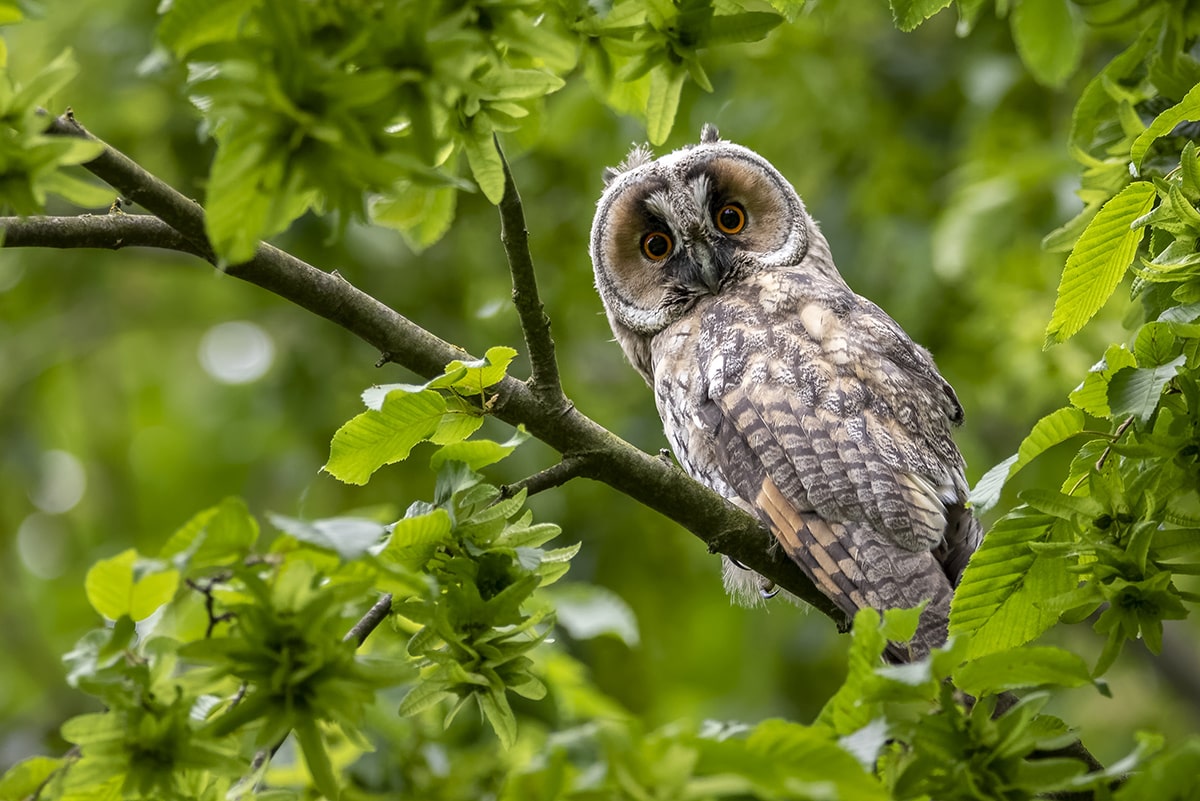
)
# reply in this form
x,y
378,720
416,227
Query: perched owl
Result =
x,y
779,387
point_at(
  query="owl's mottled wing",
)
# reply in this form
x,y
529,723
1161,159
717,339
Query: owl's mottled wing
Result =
x,y
837,434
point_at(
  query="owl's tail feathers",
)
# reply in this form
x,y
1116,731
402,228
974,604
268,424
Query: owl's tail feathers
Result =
x,y
859,568
964,532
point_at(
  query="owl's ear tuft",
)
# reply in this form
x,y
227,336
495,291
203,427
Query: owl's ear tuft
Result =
x,y
709,134
638,157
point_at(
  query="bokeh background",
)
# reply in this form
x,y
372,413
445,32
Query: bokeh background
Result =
x,y
139,387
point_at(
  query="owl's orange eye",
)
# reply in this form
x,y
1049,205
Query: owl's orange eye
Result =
x,y
657,245
731,218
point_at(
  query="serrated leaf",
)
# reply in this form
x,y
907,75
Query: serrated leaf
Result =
x,y
908,14
414,540
1185,110
1054,428
456,426
1018,668
998,602
476,453
1092,395
482,373
1099,260
373,439
1136,390
1048,39
78,191
814,759
666,85
515,84
484,159
349,537
1155,344
422,214
498,713
119,586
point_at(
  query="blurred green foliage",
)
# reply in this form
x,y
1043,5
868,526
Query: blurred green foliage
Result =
x,y
936,164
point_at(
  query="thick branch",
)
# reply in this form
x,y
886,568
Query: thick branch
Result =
x,y
535,325
609,459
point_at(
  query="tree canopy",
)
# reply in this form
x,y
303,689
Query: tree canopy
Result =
x,y
412,554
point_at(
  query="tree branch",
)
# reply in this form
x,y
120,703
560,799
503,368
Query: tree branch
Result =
x,y
103,231
378,613
609,459
570,467
535,325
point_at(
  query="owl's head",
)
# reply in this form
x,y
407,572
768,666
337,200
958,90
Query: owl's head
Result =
x,y
672,230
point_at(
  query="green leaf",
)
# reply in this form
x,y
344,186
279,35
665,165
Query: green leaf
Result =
x,y
476,453
1155,344
498,713
908,14
485,161
1185,110
189,24
666,85
348,537
748,26
813,758
414,540
422,214
482,373
1054,428
998,603
78,191
49,80
312,745
587,610
25,779
1098,261
219,535
1136,390
1017,668
123,585
1048,39
375,438
1092,395
247,171
423,696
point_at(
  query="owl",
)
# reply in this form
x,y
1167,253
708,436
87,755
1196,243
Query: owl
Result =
x,y
780,388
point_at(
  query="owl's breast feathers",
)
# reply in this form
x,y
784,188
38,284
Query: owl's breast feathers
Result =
x,y
814,408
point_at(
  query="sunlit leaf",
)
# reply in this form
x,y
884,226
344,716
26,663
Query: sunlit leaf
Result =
x,y
1183,111
908,14
375,438
120,586
1099,260
1051,430
1136,390
997,605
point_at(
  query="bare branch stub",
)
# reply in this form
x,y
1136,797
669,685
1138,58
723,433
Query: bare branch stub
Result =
x,y
101,231
572,466
535,324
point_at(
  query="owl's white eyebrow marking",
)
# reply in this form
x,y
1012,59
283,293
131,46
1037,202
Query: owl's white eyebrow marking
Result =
x,y
701,190
659,204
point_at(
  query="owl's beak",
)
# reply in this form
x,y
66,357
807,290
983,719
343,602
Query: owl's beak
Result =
x,y
708,270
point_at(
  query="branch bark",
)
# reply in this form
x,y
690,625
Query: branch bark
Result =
x,y
602,455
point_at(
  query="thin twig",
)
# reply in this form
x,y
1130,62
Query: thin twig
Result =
x,y
570,467
535,325
378,613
